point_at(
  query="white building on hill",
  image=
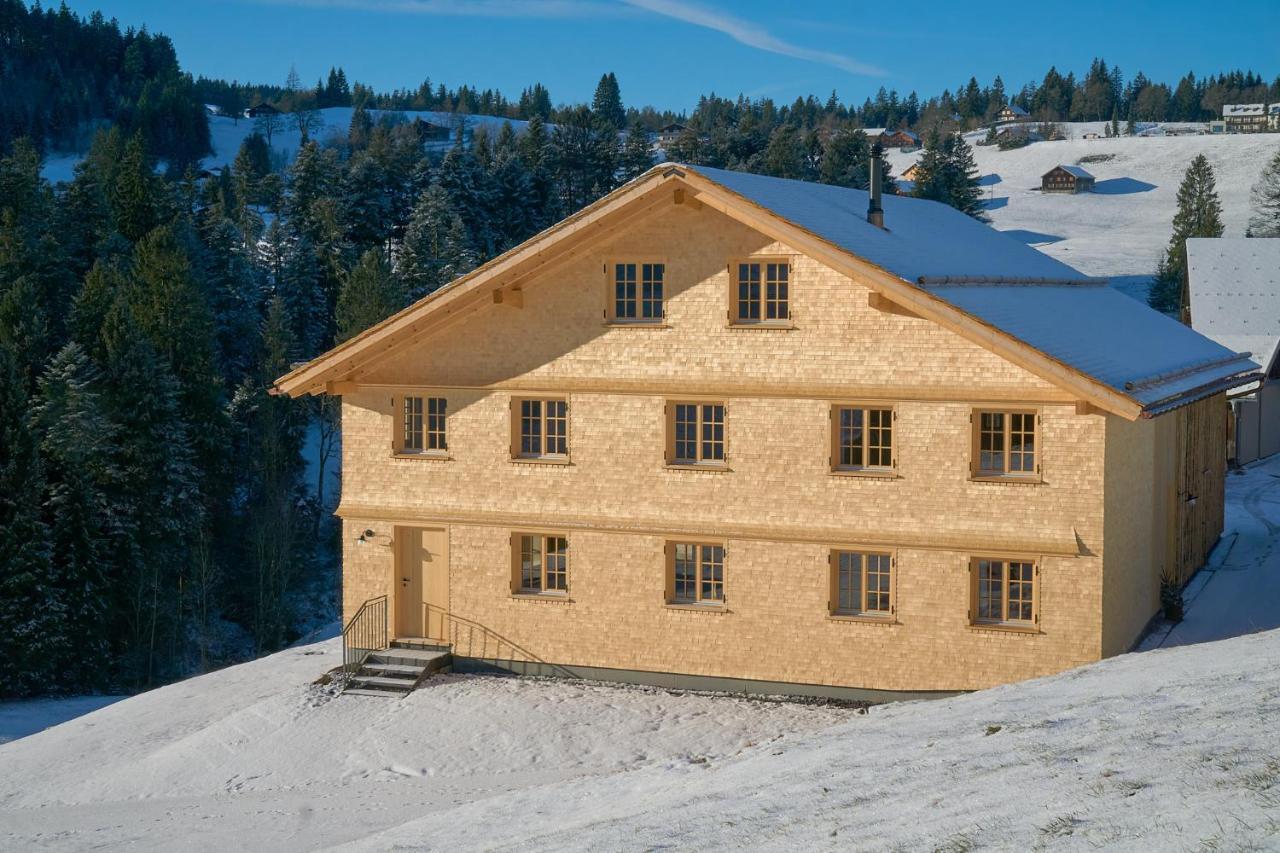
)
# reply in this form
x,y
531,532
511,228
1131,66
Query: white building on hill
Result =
x,y
1235,300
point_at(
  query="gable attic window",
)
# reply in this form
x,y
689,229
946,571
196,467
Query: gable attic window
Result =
x,y
540,430
1004,593
420,427
638,292
695,434
1004,445
862,439
539,564
761,292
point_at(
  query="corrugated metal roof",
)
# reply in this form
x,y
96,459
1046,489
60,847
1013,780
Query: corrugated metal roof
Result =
x,y
1092,328
1074,170
1235,292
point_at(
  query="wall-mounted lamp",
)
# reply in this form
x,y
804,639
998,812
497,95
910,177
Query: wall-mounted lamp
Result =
x,y
368,535
365,536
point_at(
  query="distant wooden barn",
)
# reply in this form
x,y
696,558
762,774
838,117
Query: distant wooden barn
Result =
x,y
899,139
429,131
1066,179
261,109
910,173
1012,112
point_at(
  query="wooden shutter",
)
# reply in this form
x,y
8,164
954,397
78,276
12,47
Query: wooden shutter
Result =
x,y
513,414
514,545
833,580
669,572
833,438
973,590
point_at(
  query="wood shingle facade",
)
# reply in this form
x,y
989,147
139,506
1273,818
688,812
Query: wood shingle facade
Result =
x,y
718,430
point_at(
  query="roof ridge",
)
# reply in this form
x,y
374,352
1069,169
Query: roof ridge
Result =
x,y
1009,281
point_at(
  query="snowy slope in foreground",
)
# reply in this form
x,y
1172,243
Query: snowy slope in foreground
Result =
x,y
1121,229
1161,750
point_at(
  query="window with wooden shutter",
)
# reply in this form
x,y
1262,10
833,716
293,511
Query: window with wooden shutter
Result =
x,y
862,439
862,584
419,425
540,429
696,433
760,292
695,573
1004,592
1005,445
540,564
636,292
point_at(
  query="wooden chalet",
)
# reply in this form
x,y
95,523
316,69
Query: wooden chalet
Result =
x,y
1066,179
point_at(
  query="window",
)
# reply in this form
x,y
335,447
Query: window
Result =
x,y
1005,444
1004,592
541,429
422,425
760,292
862,584
695,434
638,292
541,564
695,573
862,439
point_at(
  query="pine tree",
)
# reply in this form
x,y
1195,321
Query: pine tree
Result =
x,y
948,173
77,442
1199,215
1265,196
436,248
637,154
30,608
134,192
606,106
157,500
846,162
370,294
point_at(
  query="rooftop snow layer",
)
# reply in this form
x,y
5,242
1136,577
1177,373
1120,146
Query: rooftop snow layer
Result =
x,y
1074,170
920,238
1093,329
1104,334
1235,292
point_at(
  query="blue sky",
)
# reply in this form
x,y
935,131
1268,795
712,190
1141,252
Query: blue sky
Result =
x,y
667,52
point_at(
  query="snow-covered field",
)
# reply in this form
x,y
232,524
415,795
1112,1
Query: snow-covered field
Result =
x,y
1172,749
1119,230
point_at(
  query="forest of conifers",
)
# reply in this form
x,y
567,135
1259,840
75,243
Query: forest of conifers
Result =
x,y
157,517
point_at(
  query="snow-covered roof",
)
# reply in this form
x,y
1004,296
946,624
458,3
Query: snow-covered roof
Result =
x,y
1092,328
1072,170
1015,109
1242,109
1235,292
1104,334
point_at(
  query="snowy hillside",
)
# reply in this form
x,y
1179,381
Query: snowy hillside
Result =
x,y
1170,749
1119,230
227,134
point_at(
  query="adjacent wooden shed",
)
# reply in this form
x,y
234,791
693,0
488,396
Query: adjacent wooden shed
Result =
x,y
1066,179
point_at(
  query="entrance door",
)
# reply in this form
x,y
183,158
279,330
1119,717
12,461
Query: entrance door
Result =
x,y
422,583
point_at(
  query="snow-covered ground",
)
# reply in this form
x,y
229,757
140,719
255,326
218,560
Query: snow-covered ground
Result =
x,y
1171,749
1120,230
19,719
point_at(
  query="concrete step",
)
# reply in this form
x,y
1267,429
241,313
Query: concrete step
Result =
x,y
393,669
403,684
431,660
422,643
381,694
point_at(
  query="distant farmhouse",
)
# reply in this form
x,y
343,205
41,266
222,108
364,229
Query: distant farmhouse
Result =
x,y
1235,300
261,109
1251,118
899,139
910,173
1012,112
1066,179
669,134
428,131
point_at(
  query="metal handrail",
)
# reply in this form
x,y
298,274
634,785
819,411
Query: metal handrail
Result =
x,y
468,638
365,634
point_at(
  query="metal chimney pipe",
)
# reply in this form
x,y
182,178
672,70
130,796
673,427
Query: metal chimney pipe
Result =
x,y
875,213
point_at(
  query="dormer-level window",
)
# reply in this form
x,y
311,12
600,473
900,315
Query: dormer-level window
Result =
x,y
637,294
760,294
421,426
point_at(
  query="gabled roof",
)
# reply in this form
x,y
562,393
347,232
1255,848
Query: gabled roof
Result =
x,y
1070,170
1235,292
1015,109
930,260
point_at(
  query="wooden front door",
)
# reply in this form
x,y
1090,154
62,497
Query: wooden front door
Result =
x,y
422,582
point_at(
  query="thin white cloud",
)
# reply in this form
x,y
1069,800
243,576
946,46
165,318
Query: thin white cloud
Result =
x,y
750,34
